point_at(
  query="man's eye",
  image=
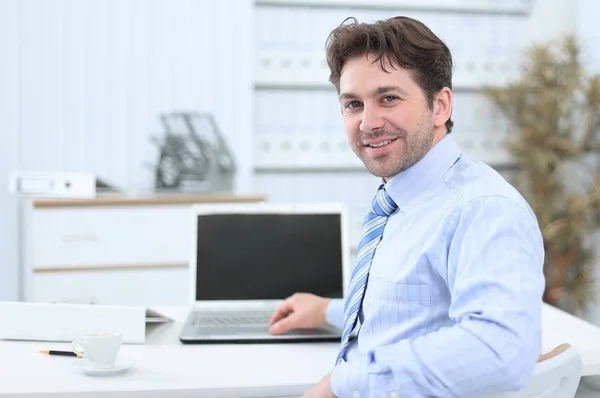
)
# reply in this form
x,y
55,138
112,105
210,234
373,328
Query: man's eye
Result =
x,y
353,104
389,98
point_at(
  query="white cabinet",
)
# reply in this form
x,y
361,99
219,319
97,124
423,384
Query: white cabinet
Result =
x,y
118,235
143,286
125,250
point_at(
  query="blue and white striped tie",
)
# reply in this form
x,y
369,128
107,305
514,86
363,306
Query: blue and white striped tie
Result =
x,y
372,230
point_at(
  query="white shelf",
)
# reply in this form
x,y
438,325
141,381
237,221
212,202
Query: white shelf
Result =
x,y
304,152
280,69
516,7
313,152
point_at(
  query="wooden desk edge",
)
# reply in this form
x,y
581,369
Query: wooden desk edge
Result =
x,y
145,200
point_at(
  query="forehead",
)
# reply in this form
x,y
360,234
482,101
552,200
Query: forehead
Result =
x,y
361,75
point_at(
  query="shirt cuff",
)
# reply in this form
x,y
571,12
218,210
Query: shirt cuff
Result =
x,y
334,314
348,377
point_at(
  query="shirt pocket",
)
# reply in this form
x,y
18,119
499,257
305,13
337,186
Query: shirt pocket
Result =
x,y
400,310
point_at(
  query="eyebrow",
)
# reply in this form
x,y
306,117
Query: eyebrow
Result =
x,y
377,91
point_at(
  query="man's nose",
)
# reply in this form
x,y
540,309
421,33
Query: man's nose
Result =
x,y
371,120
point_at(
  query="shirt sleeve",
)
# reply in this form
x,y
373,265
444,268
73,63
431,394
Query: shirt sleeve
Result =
x,y
495,277
334,314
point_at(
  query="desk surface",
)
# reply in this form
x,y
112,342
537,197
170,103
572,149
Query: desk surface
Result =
x,y
560,327
165,367
139,200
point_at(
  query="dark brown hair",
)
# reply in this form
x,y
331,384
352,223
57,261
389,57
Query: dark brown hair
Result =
x,y
398,41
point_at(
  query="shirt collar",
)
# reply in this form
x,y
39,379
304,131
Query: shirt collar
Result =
x,y
408,184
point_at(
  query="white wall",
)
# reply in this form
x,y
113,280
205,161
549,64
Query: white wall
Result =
x,y
588,28
552,19
9,145
82,84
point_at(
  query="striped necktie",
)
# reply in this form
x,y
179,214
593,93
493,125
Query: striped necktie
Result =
x,y
372,230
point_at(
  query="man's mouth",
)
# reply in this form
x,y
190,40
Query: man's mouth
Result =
x,y
381,143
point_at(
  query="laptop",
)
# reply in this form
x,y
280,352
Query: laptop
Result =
x,y
248,258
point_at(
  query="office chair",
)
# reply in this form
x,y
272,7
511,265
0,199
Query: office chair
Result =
x,y
556,375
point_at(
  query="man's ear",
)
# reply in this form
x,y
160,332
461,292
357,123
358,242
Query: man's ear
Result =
x,y
442,107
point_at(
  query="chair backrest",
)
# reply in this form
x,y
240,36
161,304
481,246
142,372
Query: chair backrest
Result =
x,y
556,375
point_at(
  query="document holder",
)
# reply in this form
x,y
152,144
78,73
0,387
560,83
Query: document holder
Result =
x,y
68,322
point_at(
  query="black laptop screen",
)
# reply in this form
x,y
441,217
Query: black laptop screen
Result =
x,y
268,256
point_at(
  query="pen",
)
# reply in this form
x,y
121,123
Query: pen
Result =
x,y
62,353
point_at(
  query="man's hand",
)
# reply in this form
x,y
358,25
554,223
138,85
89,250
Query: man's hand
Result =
x,y
321,390
299,311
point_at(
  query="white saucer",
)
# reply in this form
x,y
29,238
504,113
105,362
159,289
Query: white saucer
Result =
x,y
86,367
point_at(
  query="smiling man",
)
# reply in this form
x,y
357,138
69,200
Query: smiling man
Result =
x,y
446,294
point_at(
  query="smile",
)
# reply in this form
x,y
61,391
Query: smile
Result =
x,y
381,144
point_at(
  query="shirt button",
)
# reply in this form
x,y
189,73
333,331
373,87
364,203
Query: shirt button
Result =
x,y
393,394
356,394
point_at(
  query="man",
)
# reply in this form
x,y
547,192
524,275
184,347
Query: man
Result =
x,y
452,253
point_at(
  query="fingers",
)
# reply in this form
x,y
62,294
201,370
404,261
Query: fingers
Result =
x,y
283,310
284,325
283,318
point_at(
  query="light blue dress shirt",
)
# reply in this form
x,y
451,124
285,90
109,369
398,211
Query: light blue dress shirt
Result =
x,y
454,297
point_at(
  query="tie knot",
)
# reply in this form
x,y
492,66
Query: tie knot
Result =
x,y
382,204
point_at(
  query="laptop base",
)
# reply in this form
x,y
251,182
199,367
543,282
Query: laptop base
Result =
x,y
195,332
185,340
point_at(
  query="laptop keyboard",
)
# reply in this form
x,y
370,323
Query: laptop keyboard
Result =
x,y
231,318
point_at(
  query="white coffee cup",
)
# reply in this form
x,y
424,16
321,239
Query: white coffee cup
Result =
x,y
101,349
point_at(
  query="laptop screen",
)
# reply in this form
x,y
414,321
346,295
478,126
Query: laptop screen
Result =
x,y
268,256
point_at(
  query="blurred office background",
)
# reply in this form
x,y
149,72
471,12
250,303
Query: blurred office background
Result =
x,y
83,84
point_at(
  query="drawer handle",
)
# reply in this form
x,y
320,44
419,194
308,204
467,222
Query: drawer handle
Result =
x,y
91,301
80,238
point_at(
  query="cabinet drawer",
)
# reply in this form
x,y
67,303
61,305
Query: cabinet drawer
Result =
x,y
97,236
139,287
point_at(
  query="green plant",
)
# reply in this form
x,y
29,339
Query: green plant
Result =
x,y
554,108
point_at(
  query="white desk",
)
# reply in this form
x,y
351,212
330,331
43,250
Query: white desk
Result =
x,y
165,367
561,327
